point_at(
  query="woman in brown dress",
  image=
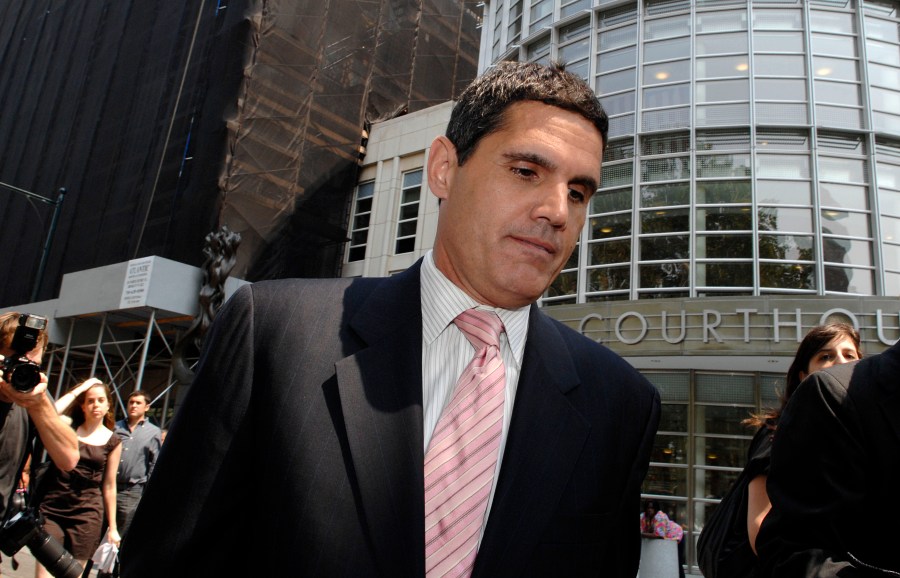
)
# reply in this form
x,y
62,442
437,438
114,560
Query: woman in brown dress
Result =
x,y
73,502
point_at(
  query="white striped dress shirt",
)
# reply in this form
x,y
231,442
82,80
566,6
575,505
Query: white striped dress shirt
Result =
x,y
446,352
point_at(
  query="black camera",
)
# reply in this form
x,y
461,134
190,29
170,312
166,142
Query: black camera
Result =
x,y
19,371
27,529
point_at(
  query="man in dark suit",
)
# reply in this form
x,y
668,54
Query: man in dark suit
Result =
x,y
834,475
299,449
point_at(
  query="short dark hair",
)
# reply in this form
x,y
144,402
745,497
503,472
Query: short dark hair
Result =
x,y
142,393
482,106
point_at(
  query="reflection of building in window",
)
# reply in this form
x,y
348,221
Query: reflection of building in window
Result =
x,y
409,212
362,212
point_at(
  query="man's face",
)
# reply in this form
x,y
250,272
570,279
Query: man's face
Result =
x,y
137,407
511,215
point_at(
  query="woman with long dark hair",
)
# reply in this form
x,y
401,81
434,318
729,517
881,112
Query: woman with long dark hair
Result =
x,y
73,502
734,555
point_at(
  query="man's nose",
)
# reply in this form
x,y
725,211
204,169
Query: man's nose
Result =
x,y
553,205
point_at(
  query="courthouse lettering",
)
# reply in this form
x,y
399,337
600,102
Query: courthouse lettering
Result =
x,y
746,324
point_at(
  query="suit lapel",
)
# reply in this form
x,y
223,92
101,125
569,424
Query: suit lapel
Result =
x,y
545,440
380,388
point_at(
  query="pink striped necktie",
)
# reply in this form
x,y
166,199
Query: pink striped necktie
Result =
x,y
462,454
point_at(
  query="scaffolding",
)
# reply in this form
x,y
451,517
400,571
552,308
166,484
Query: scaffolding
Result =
x,y
120,323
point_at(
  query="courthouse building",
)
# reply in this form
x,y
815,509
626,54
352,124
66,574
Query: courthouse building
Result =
x,y
751,190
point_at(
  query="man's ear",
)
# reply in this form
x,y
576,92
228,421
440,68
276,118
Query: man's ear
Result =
x,y
441,167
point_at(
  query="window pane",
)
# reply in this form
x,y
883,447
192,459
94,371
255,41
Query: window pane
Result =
x,y
777,19
609,279
665,195
787,276
667,96
778,42
412,179
405,245
844,196
616,81
676,71
835,68
721,21
610,201
670,449
575,51
409,212
722,66
836,45
885,99
665,221
723,166
663,275
842,170
846,280
618,37
610,252
882,30
665,169
783,166
725,247
779,219
843,223
723,192
780,89
668,247
890,205
783,192
725,274
617,175
786,247
723,90
667,27
611,226
620,103
667,49
847,251
887,76
365,190
840,22
406,228
617,59
665,144
781,64
721,43
837,93
724,219
667,481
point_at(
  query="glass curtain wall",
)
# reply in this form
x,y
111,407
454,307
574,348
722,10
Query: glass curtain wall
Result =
x,y
753,145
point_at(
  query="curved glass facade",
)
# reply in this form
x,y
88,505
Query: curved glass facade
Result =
x,y
754,146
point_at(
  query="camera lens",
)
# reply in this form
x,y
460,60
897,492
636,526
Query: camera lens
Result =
x,y
25,376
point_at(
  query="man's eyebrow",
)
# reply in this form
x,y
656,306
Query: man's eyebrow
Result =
x,y
586,181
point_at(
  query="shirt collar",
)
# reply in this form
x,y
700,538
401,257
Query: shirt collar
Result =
x,y
442,302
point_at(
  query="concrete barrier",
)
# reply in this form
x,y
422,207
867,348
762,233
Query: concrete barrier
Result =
x,y
659,559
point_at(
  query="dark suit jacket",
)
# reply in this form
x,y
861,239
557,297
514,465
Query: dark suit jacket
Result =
x,y
835,474
298,449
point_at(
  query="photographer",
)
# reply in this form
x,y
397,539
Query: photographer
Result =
x,y
24,414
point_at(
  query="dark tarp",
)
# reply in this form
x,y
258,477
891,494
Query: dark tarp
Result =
x,y
166,120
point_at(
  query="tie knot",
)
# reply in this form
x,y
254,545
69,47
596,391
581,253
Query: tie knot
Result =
x,y
481,328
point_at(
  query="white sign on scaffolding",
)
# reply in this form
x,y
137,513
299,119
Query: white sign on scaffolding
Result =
x,y
137,283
